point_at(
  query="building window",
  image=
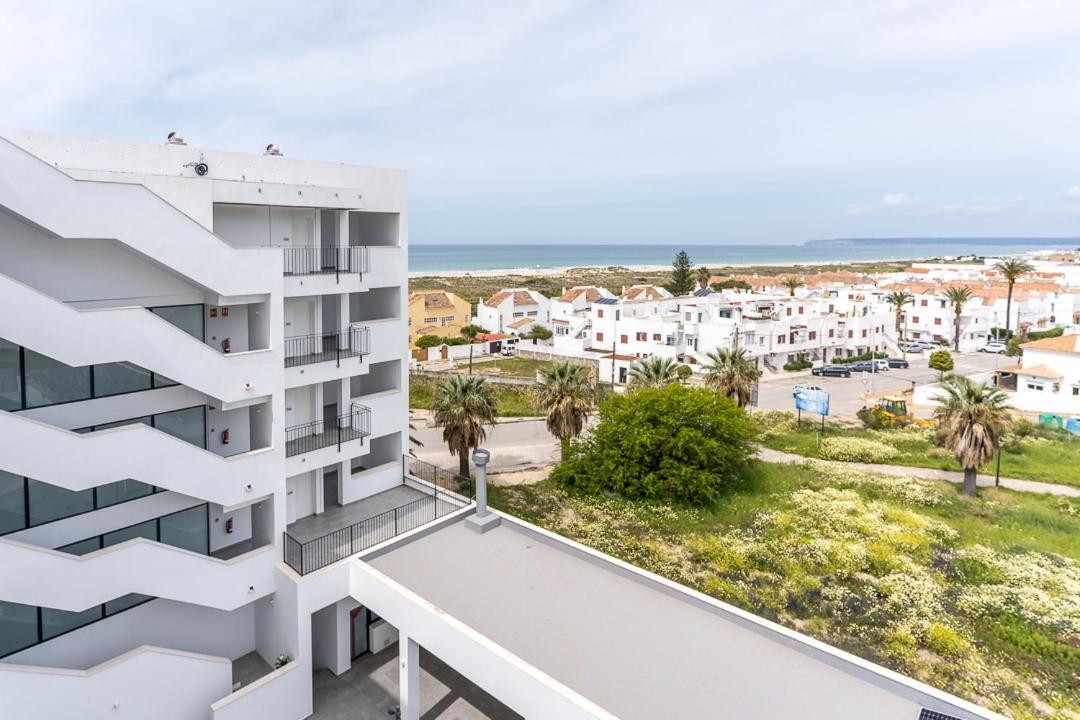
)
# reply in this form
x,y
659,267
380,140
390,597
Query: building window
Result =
x,y
864,332
430,320
850,334
641,337
801,310
831,332
813,335
599,312
656,337
915,319
1037,387
924,303
937,321
789,311
599,337
622,339
519,314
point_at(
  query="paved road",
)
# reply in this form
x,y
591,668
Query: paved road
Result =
x,y
775,456
776,393
513,445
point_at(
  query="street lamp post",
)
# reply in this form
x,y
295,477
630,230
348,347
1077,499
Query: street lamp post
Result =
x,y
997,473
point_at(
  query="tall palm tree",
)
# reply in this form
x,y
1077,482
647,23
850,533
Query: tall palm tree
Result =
x,y
566,393
1012,269
958,296
653,372
898,299
972,416
703,275
792,283
462,406
731,373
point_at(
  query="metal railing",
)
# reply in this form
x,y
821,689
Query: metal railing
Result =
x,y
449,492
326,260
316,435
310,349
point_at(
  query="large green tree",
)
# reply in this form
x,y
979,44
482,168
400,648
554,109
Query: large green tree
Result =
x,y
682,275
566,394
676,444
942,361
731,373
792,283
972,417
653,371
958,296
1012,269
464,406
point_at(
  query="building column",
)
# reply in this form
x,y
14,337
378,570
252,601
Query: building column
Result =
x,y
409,678
320,504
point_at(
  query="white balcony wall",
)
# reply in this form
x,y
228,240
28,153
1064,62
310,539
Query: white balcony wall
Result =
x,y
148,682
261,225
73,208
76,583
283,693
136,335
77,462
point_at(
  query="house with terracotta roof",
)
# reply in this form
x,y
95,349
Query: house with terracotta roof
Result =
x,y
1047,378
436,312
514,310
570,323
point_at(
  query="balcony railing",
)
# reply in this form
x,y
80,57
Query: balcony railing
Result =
x,y
310,349
326,260
449,492
354,425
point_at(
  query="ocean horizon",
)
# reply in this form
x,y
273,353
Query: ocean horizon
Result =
x,y
467,258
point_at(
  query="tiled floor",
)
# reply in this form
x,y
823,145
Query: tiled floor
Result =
x,y
235,550
370,688
340,516
249,668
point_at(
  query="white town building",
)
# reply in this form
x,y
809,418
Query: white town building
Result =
x,y
571,326
1047,378
206,511
513,310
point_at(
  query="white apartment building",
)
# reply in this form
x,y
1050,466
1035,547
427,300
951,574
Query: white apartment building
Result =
x,y
1047,378
205,507
513,310
571,325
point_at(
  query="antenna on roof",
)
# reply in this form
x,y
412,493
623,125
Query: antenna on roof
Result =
x,y
175,138
272,149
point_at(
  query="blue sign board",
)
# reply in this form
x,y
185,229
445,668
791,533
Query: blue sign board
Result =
x,y
812,400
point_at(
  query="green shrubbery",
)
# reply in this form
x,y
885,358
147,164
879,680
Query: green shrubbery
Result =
x,y
798,365
863,356
676,443
849,449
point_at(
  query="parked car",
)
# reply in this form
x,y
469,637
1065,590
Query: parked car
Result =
x,y
897,362
869,365
832,371
994,346
912,347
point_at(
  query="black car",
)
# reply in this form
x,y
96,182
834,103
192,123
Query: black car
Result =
x,y
898,363
832,371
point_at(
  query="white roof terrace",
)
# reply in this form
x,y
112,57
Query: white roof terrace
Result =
x,y
625,641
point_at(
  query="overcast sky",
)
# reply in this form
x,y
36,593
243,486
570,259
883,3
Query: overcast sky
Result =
x,y
563,121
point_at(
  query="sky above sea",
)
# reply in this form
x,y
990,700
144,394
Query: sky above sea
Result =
x,y
584,121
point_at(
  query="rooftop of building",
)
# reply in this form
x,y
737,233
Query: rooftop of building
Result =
x,y
1062,343
433,299
521,296
637,645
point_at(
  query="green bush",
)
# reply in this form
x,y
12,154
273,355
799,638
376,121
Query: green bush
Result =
x,y
457,341
942,361
864,356
428,341
849,449
798,365
675,444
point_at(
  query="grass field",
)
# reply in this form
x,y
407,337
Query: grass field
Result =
x,y
1055,460
513,400
978,597
515,366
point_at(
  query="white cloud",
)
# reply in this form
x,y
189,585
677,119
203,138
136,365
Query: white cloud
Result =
x,y
1073,193
897,200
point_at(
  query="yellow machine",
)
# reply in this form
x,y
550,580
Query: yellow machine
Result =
x,y
893,411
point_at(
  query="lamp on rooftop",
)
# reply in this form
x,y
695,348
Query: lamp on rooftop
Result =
x,y
483,519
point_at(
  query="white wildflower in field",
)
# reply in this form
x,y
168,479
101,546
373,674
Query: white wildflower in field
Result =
x,y
850,449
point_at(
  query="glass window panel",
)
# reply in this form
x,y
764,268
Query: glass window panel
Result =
x,y
188,318
49,382
56,622
119,377
121,491
188,424
145,420
161,381
82,547
146,529
18,626
50,502
187,529
124,602
10,377
12,502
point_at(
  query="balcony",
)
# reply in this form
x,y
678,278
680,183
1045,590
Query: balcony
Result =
x,y
326,260
426,494
353,425
312,349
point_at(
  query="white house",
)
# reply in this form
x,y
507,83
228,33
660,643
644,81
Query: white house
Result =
x,y
570,324
205,502
514,310
1047,378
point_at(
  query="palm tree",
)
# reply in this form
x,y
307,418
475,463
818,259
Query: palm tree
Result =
x,y
792,283
898,299
958,296
462,405
972,416
653,372
731,373
1012,269
566,393
703,274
